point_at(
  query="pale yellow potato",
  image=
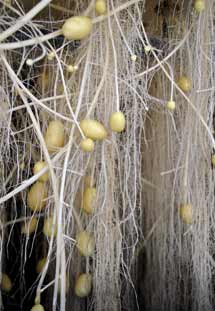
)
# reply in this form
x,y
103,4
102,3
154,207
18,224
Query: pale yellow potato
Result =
x,y
30,226
38,167
85,243
101,7
55,136
77,27
117,121
48,227
170,105
83,285
87,145
199,6
36,196
37,307
186,213
184,83
6,284
93,129
89,198
213,160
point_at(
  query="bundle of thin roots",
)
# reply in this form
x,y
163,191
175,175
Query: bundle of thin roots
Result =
x,y
106,160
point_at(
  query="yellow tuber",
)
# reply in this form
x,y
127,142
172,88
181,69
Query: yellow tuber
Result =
x,y
83,285
40,265
49,228
55,137
184,83
85,243
77,27
36,196
117,121
89,199
93,129
87,145
147,49
51,55
6,284
101,7
133,58
199,6
30,226
213,160
170,105
38,167
71,68
37,307
186,213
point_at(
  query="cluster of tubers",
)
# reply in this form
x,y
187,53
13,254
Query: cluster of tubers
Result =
x,y
78,28
94,130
